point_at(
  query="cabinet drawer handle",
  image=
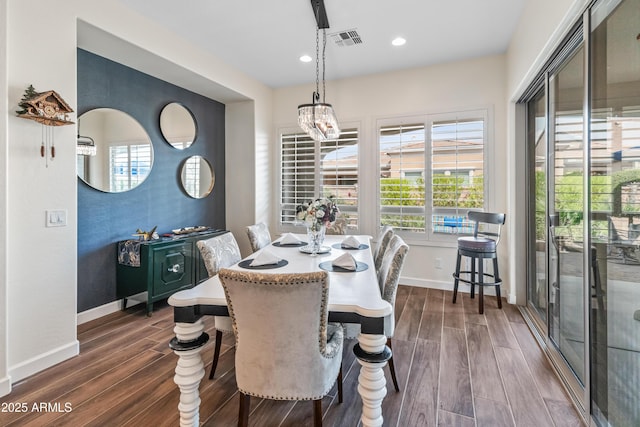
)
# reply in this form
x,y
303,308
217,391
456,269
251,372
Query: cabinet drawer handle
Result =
x,y
174,269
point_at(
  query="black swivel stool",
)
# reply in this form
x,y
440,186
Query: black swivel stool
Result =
x,y
482,245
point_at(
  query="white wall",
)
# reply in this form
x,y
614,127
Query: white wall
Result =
x,y
41,264
541,28
40,281
5,384
478,83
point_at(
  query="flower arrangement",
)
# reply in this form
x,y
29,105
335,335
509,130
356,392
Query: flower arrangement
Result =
x,y
321,211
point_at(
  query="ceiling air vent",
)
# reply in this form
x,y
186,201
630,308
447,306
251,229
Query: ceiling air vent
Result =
x,y
346,38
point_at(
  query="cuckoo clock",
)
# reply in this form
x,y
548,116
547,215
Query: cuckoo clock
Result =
x,y
49,109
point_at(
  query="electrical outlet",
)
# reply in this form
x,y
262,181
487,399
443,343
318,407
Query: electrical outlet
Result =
x,y
56,218
438,263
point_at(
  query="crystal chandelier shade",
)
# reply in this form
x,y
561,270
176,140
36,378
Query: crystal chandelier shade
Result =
x,y
318,119
85,146
86,150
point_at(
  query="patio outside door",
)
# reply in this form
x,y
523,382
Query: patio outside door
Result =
x,y
583,135
556,202
566,211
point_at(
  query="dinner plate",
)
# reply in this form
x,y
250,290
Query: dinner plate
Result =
x,y
359,248
308,250
289,245
247,264
328,266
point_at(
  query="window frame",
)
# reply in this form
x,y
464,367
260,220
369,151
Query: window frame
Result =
x,y
290,130
428,119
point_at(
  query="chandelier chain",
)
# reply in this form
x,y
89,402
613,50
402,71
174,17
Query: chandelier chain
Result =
x,y
324,47
318,64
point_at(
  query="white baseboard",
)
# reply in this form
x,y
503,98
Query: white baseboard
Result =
x,y
5,386
43,361
112,307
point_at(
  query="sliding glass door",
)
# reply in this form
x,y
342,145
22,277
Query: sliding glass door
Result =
x,y
565,181
583,136
537,141
615,211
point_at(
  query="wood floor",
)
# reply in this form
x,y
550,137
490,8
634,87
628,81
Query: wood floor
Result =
x,y
455,368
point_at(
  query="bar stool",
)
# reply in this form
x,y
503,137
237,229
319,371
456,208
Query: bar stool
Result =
x,y
482,245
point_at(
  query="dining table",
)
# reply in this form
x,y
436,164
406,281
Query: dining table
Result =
x,y
354,297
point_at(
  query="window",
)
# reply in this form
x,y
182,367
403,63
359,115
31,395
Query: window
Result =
x,y
337,163
402,193
191,175
448,150
129,165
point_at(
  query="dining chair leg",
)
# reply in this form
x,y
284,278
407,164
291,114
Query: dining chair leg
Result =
x,y
340,384
216,354
317,413
392,368
243,414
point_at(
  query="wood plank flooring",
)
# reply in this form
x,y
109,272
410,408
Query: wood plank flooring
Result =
x,y
455,367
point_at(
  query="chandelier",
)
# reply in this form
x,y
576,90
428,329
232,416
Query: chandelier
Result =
x,y
318,119
86,146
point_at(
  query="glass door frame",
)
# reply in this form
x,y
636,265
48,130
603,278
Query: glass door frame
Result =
x,y
579,392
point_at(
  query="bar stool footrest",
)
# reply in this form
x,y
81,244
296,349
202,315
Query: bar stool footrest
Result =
x,y
457,277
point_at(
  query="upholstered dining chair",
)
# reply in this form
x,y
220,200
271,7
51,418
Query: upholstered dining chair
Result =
x,y
383,240
388,277
285,348
259,236
338,227
218,252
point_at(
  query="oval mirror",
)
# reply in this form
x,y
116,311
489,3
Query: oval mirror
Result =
x,y
114,152
197,177
177,125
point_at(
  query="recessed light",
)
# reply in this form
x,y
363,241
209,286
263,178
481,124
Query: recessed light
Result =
x,y
398,41
305,58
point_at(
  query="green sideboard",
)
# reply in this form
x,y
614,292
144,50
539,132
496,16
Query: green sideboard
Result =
x,y
160,267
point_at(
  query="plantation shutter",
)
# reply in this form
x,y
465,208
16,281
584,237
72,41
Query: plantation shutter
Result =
x,y
457,173
311,169
402,165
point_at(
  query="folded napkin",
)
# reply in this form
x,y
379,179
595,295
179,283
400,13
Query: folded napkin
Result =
x,y
351,242
289,239
345,261
264,258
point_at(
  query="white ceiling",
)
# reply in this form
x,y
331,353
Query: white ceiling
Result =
x,y
265,38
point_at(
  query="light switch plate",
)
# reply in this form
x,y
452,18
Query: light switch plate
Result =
x,y
56,217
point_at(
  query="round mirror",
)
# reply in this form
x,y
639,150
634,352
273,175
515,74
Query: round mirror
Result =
x,y
114,152
197,177
177,125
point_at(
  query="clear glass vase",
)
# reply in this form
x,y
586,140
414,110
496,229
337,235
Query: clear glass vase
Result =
x,y
315,234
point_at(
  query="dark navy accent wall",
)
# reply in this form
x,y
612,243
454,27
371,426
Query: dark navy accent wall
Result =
x,y
105,218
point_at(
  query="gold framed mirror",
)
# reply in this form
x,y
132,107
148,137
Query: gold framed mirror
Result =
x,y
197,177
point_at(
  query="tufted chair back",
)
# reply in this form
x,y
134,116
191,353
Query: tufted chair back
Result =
x,y
285,349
